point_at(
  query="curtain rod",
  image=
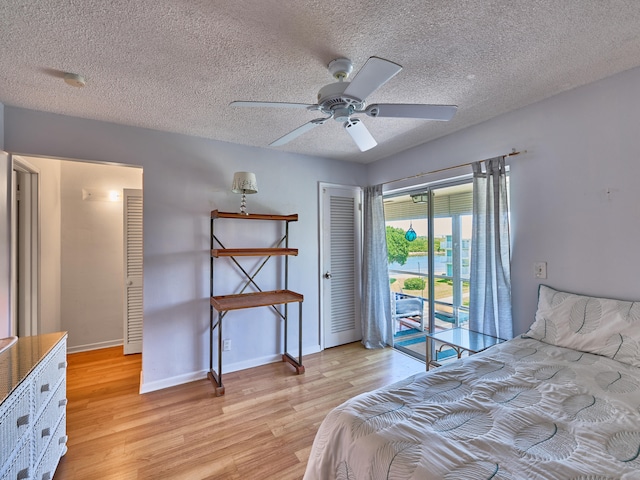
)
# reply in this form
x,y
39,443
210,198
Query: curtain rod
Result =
x,y
512,154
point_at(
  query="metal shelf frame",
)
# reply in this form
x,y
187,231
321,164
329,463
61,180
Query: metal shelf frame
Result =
x,y
222,304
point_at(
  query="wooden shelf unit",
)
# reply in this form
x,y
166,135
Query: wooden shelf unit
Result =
x,y
225,303
252,252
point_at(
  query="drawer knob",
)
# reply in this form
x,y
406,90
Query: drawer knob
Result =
x,y
23,420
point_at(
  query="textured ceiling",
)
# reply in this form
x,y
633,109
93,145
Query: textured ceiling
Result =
x,y
176,65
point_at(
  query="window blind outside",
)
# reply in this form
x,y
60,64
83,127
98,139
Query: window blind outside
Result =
x,y
403,208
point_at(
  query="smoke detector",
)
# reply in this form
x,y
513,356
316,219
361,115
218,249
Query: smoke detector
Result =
x,y
74,80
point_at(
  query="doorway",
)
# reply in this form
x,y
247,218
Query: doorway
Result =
x,y
429,248
82,251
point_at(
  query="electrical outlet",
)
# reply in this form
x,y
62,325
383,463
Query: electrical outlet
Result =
x,y
226,345
540,269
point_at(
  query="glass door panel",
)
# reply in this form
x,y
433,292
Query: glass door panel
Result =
x,y
412,274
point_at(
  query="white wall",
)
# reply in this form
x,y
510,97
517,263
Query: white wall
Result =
x,y
184,179
574,194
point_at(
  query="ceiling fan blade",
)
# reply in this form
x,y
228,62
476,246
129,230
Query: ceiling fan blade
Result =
x,y
298,131
360,134
240,103
408,110
375,73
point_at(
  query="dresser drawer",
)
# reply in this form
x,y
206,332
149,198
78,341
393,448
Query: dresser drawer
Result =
x,y
57,447
18,466
16,418
44,430
49,373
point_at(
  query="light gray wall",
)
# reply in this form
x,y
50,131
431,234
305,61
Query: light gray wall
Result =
x,y
184,179
581,144
574,194
1,126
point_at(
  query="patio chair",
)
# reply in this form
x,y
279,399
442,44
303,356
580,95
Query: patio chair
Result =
x,y
407,311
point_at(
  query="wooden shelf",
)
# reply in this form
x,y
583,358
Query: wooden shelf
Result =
x,y
254,216
239,301
252,252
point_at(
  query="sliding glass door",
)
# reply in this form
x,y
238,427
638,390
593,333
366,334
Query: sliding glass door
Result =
x,y
429,246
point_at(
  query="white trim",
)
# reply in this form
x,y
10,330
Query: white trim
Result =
x,y
28,265
95,346
202,374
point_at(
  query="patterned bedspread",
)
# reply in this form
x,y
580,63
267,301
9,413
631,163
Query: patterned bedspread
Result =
x,y
520,410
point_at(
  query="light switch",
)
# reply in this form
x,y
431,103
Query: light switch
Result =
x,y
540,269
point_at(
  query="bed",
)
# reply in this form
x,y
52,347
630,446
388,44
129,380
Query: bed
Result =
x,y
561,402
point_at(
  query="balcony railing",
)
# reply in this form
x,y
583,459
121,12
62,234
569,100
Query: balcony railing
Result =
x,y
446,314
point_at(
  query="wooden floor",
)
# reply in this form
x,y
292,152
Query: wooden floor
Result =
x,y
262,428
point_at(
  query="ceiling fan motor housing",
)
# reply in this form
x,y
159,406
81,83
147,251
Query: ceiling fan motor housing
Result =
x,y
332,101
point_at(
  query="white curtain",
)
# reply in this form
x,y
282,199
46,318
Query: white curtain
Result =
x,y
490,295
376,299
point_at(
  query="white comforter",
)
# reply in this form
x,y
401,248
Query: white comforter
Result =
x,y
520,410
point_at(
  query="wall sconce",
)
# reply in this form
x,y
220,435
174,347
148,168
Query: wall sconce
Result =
x,y
244,183
420,197
101,195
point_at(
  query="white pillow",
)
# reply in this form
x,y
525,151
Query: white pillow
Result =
x,y
596,325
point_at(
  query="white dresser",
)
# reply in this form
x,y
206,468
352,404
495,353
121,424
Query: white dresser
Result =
x,y
33,409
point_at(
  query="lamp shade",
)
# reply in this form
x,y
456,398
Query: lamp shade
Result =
x,y
244,182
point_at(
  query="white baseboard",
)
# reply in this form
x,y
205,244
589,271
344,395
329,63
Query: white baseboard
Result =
x,y
227,368
95,346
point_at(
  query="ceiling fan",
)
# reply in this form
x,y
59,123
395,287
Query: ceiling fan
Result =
x,y
342,100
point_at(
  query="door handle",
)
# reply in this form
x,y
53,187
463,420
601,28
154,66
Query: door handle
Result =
x,y
327,275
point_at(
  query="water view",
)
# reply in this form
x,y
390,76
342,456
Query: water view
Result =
x,y
419,264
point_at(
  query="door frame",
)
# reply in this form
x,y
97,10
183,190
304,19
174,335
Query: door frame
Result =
x,y
321,256
25,248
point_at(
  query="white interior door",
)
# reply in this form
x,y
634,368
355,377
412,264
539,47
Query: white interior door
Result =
x,y
340,219
133,271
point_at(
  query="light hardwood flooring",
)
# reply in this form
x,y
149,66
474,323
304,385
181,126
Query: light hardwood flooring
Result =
x,y
262,428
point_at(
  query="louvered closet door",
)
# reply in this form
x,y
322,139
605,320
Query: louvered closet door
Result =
x,y
133,313
341,260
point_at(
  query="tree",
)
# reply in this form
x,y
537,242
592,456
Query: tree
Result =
x,y
414,283
419,245
397,245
